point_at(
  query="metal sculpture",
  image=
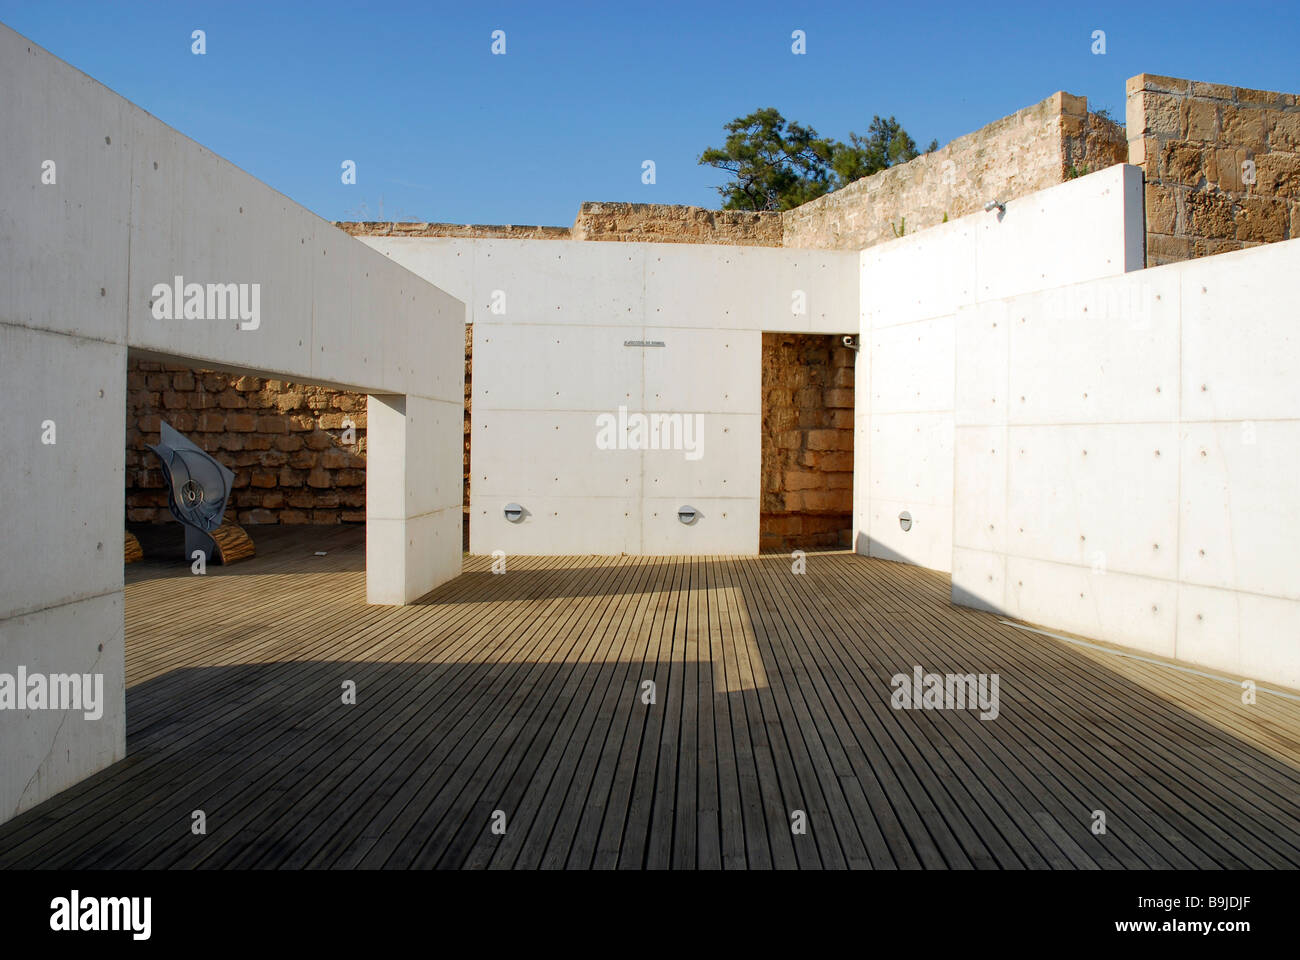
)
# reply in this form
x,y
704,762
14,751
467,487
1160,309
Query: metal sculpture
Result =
x,y
198,489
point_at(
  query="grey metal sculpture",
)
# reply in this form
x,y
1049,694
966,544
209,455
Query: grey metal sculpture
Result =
x,y
198,488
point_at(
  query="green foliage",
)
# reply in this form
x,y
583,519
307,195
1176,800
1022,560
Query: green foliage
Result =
x,y
778,164
901,228
1075,172
885,145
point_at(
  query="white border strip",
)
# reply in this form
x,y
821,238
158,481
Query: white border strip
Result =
x,y
1158,663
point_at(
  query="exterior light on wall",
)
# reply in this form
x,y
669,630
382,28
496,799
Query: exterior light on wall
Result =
x,y
687,515
514,512
850,341
905,521
997,205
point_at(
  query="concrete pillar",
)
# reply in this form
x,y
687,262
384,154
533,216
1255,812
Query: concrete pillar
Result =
x,y
61,482
413,496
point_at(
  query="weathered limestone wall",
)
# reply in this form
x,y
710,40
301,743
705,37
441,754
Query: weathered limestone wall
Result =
x,y
373,228
628,222
1032,149
666,223
807,457
284,441
1195,142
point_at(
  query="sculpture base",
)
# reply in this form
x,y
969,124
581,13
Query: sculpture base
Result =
x,y
229,543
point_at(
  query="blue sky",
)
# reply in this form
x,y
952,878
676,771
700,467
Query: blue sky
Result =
x,y
440,129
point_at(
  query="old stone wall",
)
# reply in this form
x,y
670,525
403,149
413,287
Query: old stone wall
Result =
x,y
1032,149
603,221
1200,146
807,449
666,223
285,442
464,231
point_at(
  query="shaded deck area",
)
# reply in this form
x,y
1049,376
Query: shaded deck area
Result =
x,y
524,693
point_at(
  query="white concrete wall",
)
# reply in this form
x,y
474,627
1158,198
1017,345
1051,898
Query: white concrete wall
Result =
x,y
555,359
911,291
1126,460
133,204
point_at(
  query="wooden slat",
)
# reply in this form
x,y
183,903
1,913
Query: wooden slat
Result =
x,y
522,693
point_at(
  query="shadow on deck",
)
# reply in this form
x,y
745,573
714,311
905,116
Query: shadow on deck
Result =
x,y
519,699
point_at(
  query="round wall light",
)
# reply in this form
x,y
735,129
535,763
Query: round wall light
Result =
x,y
905,521
514,512
687,515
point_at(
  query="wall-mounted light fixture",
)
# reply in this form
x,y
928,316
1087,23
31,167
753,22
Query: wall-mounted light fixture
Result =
x,y
687,515
514,512
997,205
905,521
850,341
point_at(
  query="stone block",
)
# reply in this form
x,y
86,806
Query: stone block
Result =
x,y
1209,215
829,440
1161,208
1278,174
803,480
335,458
1283,131
1263,219
1182,163
1244,126
1200,120
1164,249
1213,91
1158,83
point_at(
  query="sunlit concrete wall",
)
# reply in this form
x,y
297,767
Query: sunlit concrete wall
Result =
x,y
552,325
912,289
1126,460
129,203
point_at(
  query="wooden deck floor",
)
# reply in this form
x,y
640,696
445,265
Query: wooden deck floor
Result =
x,y
521,693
